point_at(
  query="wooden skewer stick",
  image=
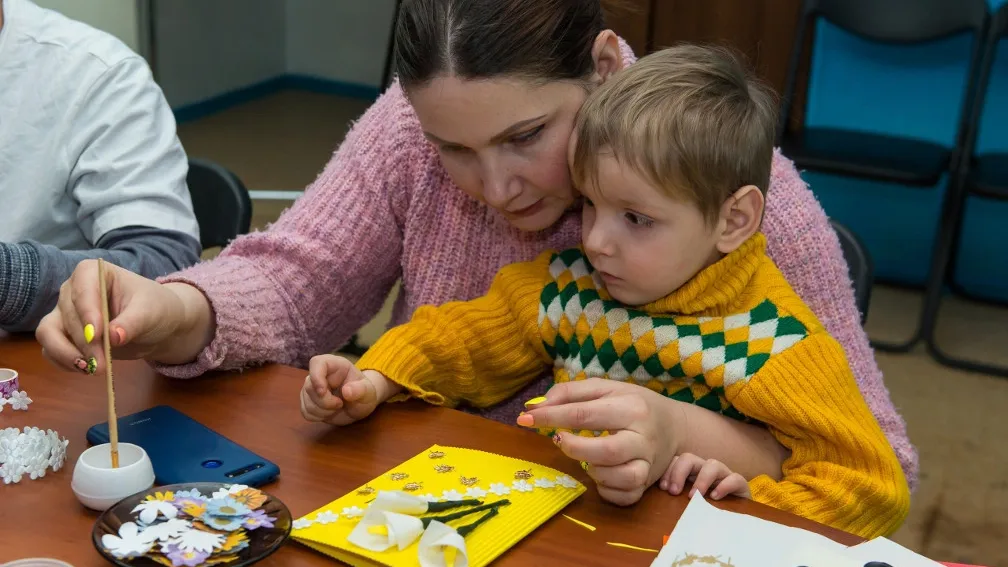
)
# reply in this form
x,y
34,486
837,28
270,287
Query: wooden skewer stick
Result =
x,y
112,421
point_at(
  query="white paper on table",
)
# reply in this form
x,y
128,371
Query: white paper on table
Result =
x,y
887,551
718,538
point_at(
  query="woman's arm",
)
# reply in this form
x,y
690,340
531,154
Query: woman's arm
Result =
x,y
804,246
304,285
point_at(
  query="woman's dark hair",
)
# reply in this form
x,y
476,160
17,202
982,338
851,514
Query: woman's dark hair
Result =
x,y
475,39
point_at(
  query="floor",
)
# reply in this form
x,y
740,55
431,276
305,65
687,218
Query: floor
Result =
x,y
960,510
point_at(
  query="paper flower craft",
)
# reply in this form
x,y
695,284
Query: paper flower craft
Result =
x,y
426,511
187,528
30,452
17,401
394,519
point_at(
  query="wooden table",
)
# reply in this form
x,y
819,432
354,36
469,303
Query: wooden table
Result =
x,y
259,409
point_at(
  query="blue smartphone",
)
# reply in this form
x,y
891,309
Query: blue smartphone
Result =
x,y
182,449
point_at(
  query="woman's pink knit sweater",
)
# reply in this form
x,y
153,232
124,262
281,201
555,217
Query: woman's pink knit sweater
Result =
x,y
384,209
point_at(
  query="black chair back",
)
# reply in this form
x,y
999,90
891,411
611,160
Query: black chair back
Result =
x,y
887,21
901,21
859,265
221,202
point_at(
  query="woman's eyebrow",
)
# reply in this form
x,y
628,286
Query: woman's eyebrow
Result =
x,y
515,128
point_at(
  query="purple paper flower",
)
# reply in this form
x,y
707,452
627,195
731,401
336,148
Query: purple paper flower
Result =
x,y
190,502
180,557
258,519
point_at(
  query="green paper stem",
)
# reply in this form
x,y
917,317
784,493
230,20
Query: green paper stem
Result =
x,y
448,505
463,513
468,528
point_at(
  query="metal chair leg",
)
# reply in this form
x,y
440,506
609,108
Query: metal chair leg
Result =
x,y
952,242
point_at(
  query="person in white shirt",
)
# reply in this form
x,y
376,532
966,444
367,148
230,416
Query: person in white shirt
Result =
x,y
90,163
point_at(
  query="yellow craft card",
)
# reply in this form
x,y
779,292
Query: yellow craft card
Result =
x,y
446,474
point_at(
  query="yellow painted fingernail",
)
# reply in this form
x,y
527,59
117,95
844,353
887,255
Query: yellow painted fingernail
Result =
x,y
535,401
89,333
584,465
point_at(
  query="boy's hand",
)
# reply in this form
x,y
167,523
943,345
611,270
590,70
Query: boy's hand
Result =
x,y
336,392
706,474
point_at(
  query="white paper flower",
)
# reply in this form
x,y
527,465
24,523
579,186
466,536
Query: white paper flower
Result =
x,y
544,483
352,512
197,540
522,486
228,490
59,447
431,498
379,530
19,400
3,402
566,481
10,472
150,509
301,523
326,517
475,492
500,489
167,530
449,495
395,501
442,546
130,542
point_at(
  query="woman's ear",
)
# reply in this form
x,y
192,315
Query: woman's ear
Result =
x,y
740,218
606,55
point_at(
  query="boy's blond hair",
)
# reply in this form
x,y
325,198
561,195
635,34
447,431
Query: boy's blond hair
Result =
x,y
692,120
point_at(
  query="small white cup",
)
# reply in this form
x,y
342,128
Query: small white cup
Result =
x,y
97,485
36,562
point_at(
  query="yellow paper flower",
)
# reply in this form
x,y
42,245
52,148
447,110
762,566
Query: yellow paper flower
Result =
x,y
161,496
194,509
234,539
250,497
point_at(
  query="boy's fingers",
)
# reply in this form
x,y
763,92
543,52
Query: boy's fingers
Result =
x,y
732,484
680,470
309,410
710,473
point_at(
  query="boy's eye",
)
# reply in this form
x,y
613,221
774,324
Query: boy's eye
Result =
x,y
588,202
639,220
527,136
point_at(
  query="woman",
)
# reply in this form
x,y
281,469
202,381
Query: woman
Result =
x,y
458,169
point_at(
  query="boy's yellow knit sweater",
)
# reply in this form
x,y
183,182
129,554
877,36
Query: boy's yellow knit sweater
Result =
x,y
735,339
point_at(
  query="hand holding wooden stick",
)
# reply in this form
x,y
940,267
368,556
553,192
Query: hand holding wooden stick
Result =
x,y
112,421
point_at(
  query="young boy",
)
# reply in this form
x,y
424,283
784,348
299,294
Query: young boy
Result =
x,y
672,290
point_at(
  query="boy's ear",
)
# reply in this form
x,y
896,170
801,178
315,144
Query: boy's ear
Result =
x,y
740,218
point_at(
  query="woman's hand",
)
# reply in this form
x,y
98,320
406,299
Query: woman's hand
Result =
x,y
162,323
644,433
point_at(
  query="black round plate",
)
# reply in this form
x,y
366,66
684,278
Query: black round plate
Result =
x,y
261,541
